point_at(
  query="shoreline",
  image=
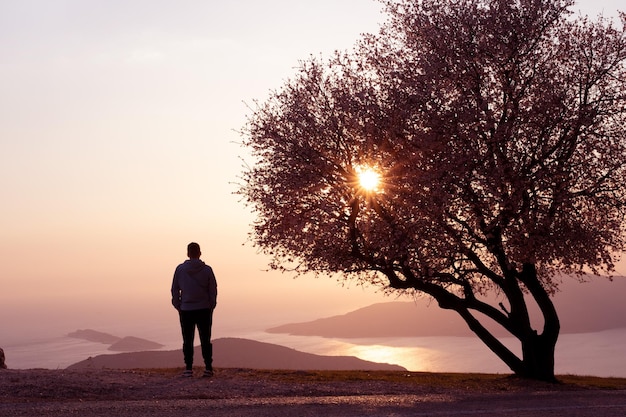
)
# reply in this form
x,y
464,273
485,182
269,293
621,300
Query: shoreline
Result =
x,y
599,354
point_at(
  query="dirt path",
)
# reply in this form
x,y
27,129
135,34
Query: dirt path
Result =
x,y
236,392
587,404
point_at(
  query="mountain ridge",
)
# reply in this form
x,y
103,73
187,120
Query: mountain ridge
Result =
x,y
582,307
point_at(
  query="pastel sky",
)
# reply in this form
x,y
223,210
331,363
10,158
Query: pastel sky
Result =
x,y
119,145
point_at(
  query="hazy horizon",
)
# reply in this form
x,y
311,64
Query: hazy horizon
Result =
x,y
118,135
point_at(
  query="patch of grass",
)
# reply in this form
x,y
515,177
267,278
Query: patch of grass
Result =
x,y
593,382
443,380
463,381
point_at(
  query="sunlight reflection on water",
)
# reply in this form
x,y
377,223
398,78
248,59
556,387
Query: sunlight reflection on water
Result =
x,y
423,354
412,358
600,353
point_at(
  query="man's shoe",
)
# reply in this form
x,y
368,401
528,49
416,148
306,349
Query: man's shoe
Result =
x,y
187,373
208,373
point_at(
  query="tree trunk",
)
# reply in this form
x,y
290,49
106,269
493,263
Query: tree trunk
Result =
x,y
538,349
538,358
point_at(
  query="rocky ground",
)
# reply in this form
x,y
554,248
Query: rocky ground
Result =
x,y
244,392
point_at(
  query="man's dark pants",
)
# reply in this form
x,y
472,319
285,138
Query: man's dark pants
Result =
x,y
203,320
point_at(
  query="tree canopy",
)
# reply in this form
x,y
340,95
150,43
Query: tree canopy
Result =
x,y
498,131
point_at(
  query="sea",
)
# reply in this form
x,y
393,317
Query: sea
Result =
x,y
600,353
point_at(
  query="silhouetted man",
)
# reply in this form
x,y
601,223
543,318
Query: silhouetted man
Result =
x,y
194,295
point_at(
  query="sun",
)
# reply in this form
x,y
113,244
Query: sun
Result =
x,y
369,179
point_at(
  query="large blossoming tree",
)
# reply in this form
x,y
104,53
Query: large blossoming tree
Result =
x,y
498,131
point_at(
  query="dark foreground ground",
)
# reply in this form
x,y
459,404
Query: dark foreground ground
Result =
x,y
244,392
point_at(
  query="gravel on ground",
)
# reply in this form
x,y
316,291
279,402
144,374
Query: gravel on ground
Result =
x,y
245,392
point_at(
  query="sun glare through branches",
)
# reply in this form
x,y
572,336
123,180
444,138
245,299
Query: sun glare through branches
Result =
x,y
369,178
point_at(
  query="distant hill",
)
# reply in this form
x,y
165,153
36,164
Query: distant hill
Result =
x,y
118,344
393,319
94,336
582,307
134,344
592,306
235,353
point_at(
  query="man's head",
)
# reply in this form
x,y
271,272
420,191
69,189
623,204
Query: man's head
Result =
x,y
193,250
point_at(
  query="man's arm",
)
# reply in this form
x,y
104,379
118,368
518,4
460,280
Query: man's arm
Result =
x,y
212,288
176,291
